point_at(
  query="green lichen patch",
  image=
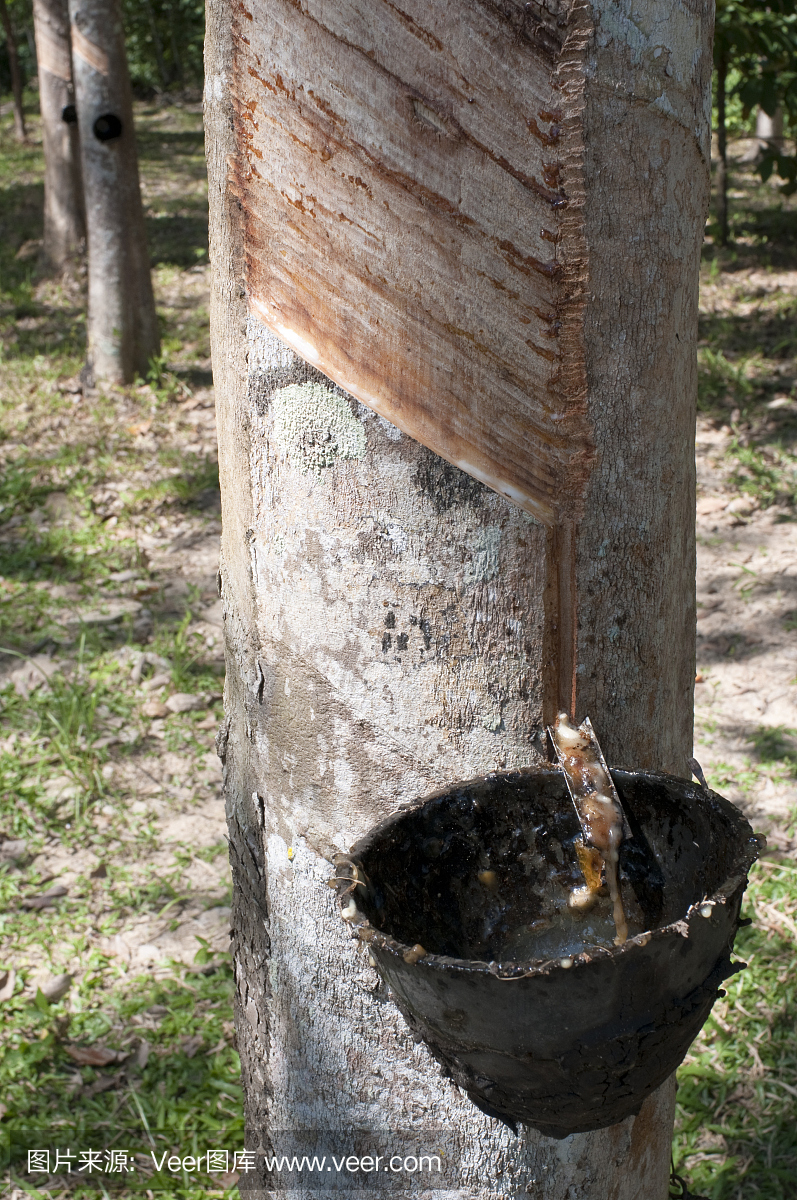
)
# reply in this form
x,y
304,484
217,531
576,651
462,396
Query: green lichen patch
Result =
x,y
314,426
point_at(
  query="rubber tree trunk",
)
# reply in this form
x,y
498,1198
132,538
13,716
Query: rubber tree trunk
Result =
x,y
390,621
122,322
64,215
16,75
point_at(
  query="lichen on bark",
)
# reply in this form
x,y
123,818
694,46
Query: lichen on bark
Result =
x,y
313,426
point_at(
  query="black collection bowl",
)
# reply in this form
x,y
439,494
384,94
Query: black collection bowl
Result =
x,y
571,1043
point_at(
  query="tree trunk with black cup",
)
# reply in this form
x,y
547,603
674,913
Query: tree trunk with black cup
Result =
x,y
425,220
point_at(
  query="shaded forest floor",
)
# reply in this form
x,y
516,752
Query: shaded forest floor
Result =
x,y
112,855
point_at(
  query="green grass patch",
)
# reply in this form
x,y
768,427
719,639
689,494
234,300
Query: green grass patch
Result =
x,y
736,1133
766,471
196,486
174,1087
721,379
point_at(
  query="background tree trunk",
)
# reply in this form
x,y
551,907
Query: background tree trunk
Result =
x,y
769,130
768,136
393,626
16,74
64,215
122,322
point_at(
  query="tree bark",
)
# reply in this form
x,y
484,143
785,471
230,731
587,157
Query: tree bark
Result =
x,y
16,76
64,214
122,322
392,625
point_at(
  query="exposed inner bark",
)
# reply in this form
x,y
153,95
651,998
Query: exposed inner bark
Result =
x,y
417,234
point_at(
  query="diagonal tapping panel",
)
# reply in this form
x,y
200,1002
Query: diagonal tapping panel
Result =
x,y
410,179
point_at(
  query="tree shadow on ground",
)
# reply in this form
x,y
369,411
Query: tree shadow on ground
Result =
x,y
762,234
178,234
195,488
21,219
775,744
164,145
195,377
771,334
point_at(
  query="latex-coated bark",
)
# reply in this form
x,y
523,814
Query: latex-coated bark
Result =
x,y
122,323
64,216
393,625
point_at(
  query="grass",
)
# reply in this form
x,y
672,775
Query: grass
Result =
x,y
736,1117
186,1098
170,1098
93,489
737,1090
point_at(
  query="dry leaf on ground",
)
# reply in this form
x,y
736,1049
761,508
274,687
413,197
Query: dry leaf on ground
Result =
x,y
7,981
94,1056
45,899
56,987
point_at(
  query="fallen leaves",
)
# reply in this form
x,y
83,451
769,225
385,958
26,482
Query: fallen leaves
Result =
x,y
707,505
7,981
83,473
103,1083
190,1045
33,673
13,850
94,1056
162,679
45,899
182,702
55,987
139,428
